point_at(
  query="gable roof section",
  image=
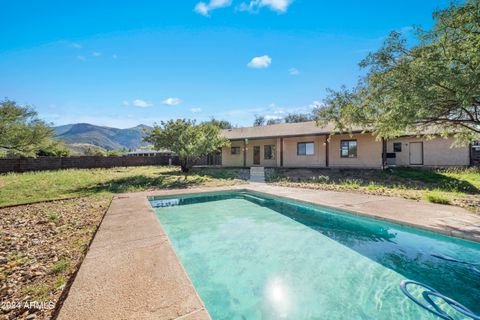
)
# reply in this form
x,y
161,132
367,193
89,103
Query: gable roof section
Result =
x,y
280,130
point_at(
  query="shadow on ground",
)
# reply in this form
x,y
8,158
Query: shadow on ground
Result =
x,y
174,180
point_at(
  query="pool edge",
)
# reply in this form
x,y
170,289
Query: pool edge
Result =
x,y
459,233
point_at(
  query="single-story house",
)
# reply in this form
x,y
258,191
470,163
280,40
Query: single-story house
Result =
x,y
305,144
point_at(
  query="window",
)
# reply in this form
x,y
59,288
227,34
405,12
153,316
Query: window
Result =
x,y
269,152
348,148
397,147
235,150
305,149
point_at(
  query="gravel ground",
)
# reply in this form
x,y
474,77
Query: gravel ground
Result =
x,y
42,246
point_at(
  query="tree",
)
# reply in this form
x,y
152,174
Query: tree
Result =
x,y
21,131
433,85
52,148
190,141
274,121
259,121
222,124
93,150
298,117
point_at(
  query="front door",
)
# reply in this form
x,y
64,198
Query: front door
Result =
x,y
416,153
256,155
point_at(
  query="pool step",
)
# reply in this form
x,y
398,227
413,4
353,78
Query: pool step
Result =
x,y
254,198
257,174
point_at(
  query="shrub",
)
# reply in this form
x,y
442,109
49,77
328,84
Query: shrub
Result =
x,y
60,266
436,197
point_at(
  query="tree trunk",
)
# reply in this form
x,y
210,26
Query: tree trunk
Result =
x,y
184,165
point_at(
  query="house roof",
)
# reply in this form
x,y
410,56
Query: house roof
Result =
x,y
280,130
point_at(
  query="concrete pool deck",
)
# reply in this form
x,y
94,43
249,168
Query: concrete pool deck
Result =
x,y
131,270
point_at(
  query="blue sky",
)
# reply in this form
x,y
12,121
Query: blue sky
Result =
x,y
122,63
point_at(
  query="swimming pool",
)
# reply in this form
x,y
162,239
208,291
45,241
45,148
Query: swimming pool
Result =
x,y
253,256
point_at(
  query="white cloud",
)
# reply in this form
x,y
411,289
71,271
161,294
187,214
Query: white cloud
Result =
x,y
172,101
141,103
205,8
195,110
293,71
315,104
260,62
96,54
76,45
271,117
125,103
280,6
201,8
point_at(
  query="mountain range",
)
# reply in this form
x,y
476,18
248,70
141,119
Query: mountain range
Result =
x,y
103,137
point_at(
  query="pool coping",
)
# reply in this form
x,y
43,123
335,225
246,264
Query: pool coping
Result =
x,y
131,270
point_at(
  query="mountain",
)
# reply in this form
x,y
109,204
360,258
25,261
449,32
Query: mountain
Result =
x,y
103,137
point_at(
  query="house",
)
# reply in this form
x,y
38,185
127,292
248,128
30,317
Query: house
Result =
x,y
305,144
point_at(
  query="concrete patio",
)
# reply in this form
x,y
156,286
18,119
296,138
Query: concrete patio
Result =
x,y
132,272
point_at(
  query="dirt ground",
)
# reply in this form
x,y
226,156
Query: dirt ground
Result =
x,y
41,248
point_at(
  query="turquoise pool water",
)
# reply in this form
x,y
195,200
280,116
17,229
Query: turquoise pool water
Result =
x,y
251,257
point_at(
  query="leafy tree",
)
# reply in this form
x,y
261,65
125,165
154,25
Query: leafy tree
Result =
x,y
298,117
190,141
21,131
274,121
117,152
53,148
434,84
94,151
222,124
259,121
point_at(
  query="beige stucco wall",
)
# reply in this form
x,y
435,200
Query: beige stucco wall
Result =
x,y
232,160
291,159
437,152
236,160
369,151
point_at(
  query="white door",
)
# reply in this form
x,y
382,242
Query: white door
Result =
x,y
416,153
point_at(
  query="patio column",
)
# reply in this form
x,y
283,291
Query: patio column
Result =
x,y
281,152
326,150
245,152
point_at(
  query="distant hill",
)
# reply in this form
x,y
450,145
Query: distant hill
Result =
x,y
104,137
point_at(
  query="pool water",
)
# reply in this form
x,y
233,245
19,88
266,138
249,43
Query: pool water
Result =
x,y
255,257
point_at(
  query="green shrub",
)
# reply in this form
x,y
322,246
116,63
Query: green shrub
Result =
x,y
351,183
60,266
53,216
436,197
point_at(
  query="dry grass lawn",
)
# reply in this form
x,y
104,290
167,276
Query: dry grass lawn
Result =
x,y
43,243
